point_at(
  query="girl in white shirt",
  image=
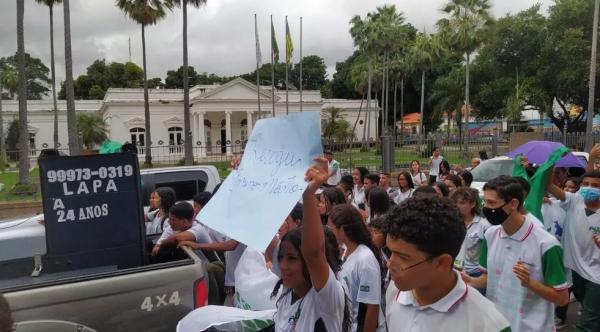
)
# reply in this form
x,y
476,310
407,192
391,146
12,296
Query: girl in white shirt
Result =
x,y
418,178
378,202
361,272
405,187
312,298
161,200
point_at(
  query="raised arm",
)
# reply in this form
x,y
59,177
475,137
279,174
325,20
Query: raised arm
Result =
x,y
313,236
553,188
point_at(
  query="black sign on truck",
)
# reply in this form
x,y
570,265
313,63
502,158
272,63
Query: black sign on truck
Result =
x,y
93,212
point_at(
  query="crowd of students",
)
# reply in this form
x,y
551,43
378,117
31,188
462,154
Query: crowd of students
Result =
x,y
359,254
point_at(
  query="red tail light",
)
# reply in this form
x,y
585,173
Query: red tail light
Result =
x,y
200,293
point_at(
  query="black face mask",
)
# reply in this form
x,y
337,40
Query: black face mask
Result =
x,y
495,216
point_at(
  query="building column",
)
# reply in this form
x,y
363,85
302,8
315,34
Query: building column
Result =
x,y
201,134
194,128
228,142
249,122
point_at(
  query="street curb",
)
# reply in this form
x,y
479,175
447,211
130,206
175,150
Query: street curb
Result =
x,y
9,205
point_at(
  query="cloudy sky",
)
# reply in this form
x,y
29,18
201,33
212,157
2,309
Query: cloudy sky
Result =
x,y
221,34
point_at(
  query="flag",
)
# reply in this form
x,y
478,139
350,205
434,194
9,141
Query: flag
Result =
x,y
537,182
289,47
274,47
258,54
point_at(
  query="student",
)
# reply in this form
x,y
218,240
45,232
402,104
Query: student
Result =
x,y
329,198
405,187
161,200
312,298
358,191
467,178
384,183
424,236
434,165
346,189
378,229
371,180
378,202
453,182
335,174
571,185
526,276
467,202
361,271
441,189
418,177
444,170
582,245
475,162
181,227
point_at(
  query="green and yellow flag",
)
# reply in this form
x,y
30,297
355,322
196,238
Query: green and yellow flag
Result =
x,y
289,47
274,47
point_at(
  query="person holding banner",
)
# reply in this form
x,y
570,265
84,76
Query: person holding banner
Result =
x,y
312,298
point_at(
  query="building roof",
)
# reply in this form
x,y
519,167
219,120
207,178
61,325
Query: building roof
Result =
x,y
412,118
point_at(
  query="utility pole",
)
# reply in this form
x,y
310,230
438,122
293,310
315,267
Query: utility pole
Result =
x,y
589,139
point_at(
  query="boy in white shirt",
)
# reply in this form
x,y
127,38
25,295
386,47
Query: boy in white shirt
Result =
x,y
434,165
425,234
523,264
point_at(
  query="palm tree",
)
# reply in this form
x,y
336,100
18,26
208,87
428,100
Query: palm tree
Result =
x,y
448,95
74,148
92,129
189,157
464,31
23,132
10,81
424,52
402,68
334,126
50,4
145,12
359,78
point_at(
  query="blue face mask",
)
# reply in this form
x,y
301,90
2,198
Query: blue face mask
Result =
x,y
589,194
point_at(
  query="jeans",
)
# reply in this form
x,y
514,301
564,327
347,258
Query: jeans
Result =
x,y
588,293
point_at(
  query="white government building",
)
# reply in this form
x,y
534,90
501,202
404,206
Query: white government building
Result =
x,y
222,116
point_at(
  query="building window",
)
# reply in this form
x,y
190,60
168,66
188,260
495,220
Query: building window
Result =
x,y
138,138
207,135
175,139
244,130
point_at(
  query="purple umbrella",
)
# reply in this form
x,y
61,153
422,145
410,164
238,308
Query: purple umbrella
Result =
x,y
538,152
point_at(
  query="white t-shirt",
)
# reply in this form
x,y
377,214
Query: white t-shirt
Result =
x,y
231,261
156,224
334,165
542,254
581,254
468,257
403,195
434,168
464,309
554,218
419,178
358,196
361,277
200,234
326,304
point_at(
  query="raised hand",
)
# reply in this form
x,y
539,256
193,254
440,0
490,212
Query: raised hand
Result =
x,y
317,174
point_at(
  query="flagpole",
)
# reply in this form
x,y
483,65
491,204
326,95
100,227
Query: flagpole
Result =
x,y
287,52
301,60
258,60
272,68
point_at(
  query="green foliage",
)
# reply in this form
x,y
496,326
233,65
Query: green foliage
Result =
x,y
12,136
91,129
37,76
335,129
145,12
341,84
314,72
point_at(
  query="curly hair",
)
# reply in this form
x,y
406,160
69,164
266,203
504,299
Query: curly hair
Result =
x,y
469,195
408,177
332,254
431,223
167,198
443,188
455,179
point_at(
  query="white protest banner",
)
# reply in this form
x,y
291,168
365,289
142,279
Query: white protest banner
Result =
x,y
256,198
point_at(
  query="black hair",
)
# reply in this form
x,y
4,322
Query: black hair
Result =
x,y
443,188
363,171
378,200
380,224
470,195
524,184
182,210
455,179
347,179
6,321
408,178
296,214
167,198
431,223
595,174
202,198
374,178
575,180
424,190
467,178
345,185
333,197
347,217
332,254
446,165
506,187
483,155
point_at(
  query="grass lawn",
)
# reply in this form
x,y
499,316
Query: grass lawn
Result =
x,y
9,179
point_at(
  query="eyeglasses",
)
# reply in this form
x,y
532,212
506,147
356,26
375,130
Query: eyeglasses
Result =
x,y
403,269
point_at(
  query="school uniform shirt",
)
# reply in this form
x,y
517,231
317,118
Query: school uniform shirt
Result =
x,y
327,304
334,165
392,192
434,168
361,277
200,234
156,224
418,179
468,257
358,196
403,195
541,253
581,254
554,218
463,309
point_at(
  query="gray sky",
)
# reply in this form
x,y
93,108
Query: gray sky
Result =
x,y
220,35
